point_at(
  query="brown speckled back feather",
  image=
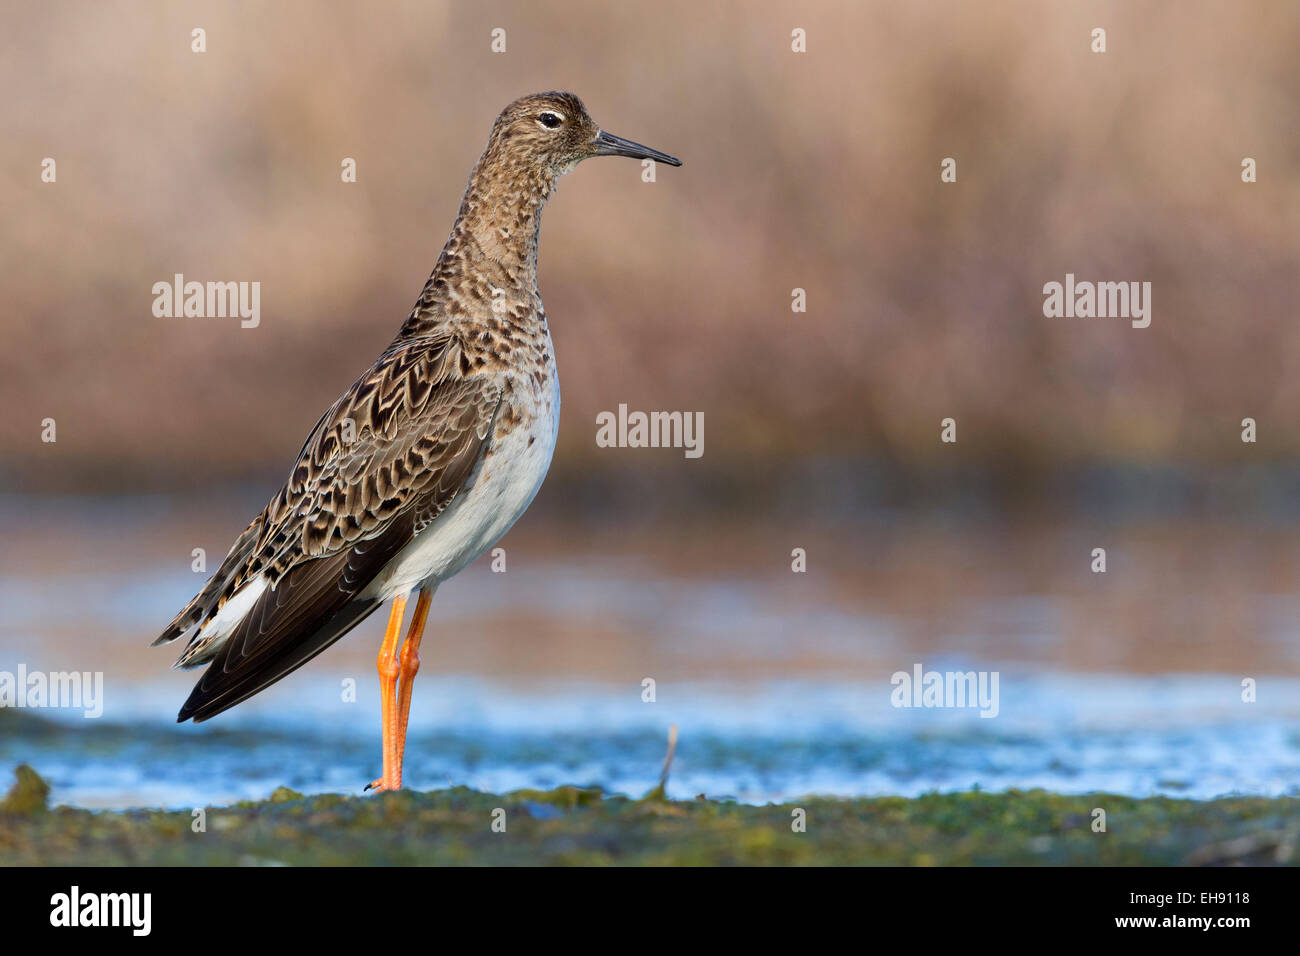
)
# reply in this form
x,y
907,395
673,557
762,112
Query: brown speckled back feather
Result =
x,y
400,443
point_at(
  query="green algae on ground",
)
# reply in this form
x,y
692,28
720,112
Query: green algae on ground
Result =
x,y
573,825
29,794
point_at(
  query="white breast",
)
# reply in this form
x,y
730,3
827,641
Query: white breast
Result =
x,y
506,481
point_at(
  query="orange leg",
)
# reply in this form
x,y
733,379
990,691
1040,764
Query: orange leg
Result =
x,y
410,666
388,672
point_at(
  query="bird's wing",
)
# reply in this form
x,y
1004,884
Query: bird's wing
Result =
x,y
386,459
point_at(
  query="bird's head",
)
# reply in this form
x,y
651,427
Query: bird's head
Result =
x,y
554,132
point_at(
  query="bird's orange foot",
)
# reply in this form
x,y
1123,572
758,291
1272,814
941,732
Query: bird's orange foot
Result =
x,y
375,785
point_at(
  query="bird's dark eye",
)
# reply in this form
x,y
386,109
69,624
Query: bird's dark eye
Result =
x,y
550,120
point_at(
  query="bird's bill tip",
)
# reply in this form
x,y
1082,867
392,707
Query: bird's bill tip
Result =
x,y
607,144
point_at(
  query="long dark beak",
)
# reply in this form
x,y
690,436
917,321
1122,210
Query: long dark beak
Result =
x,y
607,144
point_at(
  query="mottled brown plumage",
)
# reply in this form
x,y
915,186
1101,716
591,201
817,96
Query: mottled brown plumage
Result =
x,y
430,455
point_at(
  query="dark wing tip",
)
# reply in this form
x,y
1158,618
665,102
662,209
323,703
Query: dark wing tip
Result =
x,y
183,622
191,705
230,681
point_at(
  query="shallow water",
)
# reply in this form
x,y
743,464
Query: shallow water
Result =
x,y
779,683
1186,736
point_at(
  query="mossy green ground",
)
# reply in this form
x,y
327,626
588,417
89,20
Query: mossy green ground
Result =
x,y
574,826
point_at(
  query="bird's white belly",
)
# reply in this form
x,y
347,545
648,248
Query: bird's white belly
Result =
x,y
506,482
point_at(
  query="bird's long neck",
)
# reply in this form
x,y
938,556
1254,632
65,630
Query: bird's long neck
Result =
x,y
487,271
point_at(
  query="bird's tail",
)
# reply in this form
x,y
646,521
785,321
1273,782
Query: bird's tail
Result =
x,y
208,601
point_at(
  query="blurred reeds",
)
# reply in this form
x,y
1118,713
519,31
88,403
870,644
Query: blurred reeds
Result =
x,y
818,171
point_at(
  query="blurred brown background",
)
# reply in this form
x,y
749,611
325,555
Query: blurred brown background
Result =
x,y
818,171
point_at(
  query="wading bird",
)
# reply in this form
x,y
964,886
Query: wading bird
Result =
x,y
425,462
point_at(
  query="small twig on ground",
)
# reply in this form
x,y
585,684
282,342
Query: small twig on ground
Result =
x,y
660,792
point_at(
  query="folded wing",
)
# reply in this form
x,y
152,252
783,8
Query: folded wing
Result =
x,y
386,459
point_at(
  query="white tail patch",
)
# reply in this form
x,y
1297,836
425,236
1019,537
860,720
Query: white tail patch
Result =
x,y
214,633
